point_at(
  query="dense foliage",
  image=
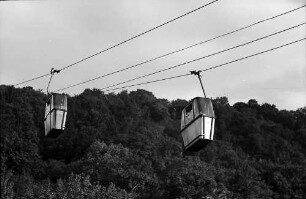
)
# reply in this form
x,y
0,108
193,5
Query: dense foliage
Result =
x,y
128,145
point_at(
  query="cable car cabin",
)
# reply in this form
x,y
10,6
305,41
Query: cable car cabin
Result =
x,y
55,115
197,124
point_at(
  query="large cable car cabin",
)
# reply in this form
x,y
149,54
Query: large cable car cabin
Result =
x,y
197,124
55,115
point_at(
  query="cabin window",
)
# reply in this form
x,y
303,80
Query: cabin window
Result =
x,y
59,100
189,108
206,107
189,111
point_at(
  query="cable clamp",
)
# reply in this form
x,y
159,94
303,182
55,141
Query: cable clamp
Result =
x,y
194,72
54,71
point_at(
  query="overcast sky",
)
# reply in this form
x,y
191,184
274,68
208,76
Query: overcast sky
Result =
x,y
38,35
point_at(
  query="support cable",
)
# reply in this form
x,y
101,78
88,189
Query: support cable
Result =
x,y
143,33
198,59
245,27
210,68
182,49
35,78
253,55
123,42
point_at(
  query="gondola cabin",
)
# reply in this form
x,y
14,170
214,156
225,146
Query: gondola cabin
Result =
x,y
55,115
197,124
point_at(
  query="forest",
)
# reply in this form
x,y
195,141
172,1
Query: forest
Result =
x,y
127,145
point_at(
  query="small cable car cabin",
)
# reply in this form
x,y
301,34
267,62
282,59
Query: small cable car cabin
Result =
x,y
197,124
55,114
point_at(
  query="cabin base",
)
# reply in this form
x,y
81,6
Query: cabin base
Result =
x,y
198,144
54,133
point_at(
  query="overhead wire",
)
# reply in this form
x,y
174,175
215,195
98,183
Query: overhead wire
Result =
x,y
125,41
182,49
253,55
210,68
35,78
206,56
136,36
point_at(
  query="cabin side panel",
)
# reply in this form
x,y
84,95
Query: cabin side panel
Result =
x,y
47,124
194,130
59,115
209,128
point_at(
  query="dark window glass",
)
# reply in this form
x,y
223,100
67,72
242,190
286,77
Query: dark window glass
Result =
x,y
59,100
205,107
189,108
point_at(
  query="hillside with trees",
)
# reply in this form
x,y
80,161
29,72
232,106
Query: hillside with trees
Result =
x,y
128,146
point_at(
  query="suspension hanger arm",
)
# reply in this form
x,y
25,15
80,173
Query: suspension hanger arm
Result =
x,y
198,73
52,72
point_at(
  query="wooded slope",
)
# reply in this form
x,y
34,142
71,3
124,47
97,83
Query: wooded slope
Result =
x,y
128,145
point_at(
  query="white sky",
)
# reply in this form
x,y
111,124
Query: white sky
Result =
x,y
38,35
